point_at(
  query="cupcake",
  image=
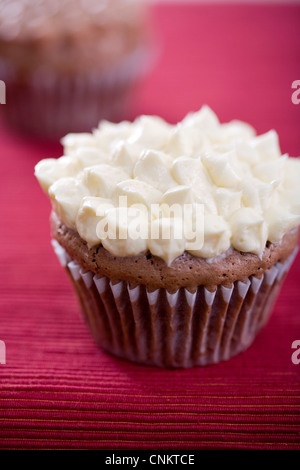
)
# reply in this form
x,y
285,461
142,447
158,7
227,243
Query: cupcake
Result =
x,y
69,63
177,238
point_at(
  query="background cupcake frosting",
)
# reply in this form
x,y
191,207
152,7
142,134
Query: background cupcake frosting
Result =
x,y
68,36
67,64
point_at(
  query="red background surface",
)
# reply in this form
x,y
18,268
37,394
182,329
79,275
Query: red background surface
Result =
x,y
57,389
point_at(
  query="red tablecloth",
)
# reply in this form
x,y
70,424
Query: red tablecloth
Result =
x,y
57,389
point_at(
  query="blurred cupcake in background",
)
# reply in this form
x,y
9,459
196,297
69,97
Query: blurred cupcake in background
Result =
x,y
67,64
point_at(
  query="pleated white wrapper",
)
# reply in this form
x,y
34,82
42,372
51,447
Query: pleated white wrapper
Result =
x,y
182,329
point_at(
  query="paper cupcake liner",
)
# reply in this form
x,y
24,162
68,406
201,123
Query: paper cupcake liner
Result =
x,y
51,105
183,329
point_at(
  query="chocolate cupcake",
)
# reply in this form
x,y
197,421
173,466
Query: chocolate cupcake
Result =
x,y
67,64
177,238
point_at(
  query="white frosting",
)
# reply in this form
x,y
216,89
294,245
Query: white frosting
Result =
x,y
67,195
117,231
165,244
216,237
91,212
249,230
250,192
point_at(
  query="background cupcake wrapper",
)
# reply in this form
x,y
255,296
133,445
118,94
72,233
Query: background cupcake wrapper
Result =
x,y
183,329
52,105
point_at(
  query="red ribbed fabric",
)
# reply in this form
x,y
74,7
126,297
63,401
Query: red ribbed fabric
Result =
x,y
57,389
